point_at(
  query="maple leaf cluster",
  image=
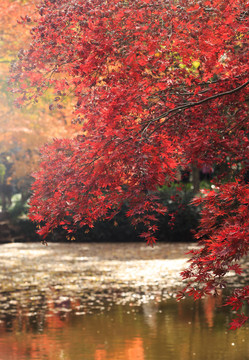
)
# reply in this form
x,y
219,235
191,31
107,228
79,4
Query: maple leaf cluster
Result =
x,y
157,86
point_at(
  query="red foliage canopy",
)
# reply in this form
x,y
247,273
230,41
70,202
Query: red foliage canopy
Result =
x,y
157,84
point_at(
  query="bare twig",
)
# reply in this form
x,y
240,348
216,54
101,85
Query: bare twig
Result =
x,y
197,103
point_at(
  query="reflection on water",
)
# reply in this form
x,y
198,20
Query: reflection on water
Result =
x,y
107,302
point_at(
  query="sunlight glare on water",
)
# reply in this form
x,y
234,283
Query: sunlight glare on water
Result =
x,y
108,302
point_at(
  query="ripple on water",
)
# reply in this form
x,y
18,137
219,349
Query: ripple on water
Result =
x,y
32,274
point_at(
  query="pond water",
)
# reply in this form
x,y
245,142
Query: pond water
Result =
x,y
108,302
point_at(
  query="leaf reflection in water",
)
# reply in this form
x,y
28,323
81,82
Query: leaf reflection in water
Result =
x,y
106,302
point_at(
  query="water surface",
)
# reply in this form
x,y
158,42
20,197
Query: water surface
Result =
x,y
108,302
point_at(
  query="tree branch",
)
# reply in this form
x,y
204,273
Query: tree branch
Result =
x,y
197,103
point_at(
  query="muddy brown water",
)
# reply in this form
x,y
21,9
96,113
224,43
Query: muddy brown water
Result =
x,y
108,302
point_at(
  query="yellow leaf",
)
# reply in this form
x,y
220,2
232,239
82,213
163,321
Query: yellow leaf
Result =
x,y
196,64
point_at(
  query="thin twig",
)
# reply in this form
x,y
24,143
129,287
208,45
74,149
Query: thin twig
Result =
x,y
197,103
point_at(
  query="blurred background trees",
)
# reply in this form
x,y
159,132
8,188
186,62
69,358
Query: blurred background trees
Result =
x,y
22,130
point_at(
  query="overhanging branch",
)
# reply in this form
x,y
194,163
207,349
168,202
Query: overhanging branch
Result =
x,y
197,103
